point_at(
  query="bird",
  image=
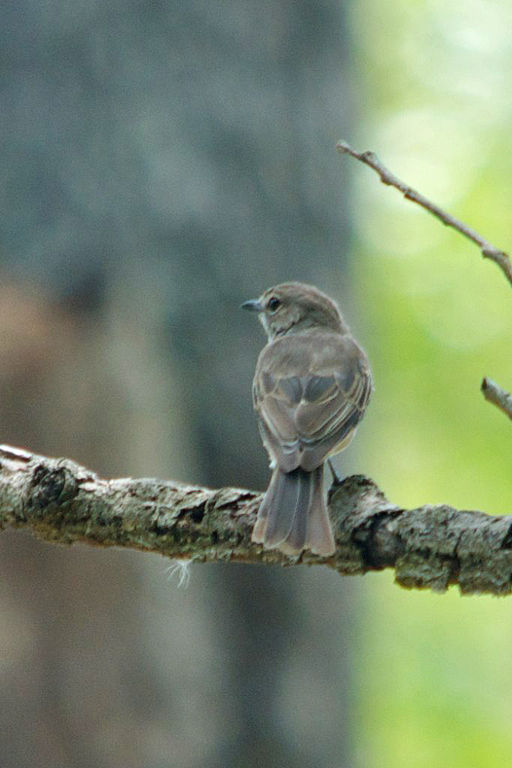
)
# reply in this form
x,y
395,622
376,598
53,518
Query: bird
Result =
x,y
311,388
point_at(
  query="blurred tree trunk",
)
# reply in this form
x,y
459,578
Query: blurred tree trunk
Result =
x,y
163,163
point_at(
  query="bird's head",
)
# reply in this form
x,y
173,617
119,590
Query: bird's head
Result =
x,y
294,308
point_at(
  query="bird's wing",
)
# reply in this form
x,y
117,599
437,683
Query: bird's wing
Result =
x,y
310,393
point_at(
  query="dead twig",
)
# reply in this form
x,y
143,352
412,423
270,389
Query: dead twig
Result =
x,y
491,391
496,395
487,249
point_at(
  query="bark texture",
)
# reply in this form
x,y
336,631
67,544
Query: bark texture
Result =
x,y
428,547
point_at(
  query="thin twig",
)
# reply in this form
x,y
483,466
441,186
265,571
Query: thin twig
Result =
x,y
496,395
488,250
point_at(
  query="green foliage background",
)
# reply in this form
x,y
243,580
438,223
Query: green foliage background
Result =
x,y
434,100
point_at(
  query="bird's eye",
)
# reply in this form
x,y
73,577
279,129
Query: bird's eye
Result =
x,y
273,304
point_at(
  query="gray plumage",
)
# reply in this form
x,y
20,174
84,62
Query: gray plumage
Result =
x,y
311,387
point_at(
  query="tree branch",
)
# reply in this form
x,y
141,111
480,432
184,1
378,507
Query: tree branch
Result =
x,y
496,395
491,391
487,250
428,547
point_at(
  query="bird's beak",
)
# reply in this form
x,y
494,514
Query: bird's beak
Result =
x,y
253,305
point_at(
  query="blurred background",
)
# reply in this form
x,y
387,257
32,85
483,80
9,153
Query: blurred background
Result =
x,y
161,162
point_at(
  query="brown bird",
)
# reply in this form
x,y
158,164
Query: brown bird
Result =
x,y
311,387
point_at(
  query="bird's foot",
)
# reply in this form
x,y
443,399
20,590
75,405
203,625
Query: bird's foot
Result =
x,y
336,479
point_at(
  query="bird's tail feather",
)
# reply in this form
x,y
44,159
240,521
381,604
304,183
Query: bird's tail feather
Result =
x,y
292,515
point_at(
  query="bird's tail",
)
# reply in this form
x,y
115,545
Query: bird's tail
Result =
x,y
293,516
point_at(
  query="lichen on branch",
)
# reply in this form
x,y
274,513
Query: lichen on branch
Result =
x,y
428,547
